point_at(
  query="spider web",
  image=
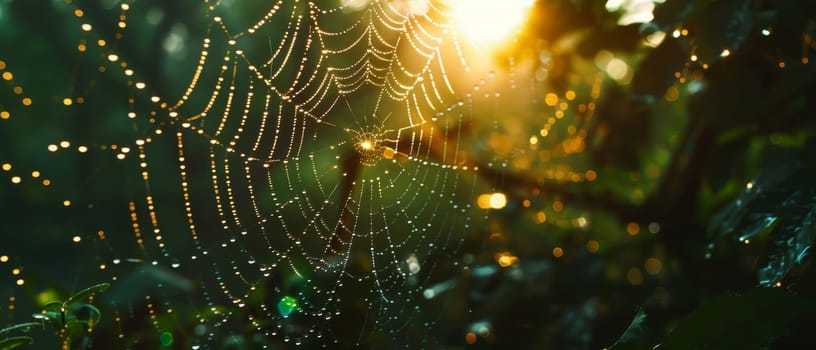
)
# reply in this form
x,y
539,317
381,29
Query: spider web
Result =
x,y
320,152
316,173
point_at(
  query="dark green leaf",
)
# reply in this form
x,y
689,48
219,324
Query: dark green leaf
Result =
x,y
789,246
15,342
745,321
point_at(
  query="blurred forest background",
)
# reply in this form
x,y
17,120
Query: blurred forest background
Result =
x,y
657,187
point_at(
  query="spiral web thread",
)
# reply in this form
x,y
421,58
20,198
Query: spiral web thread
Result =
x,y
321,152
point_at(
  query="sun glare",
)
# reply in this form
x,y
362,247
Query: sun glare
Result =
x,y
489,21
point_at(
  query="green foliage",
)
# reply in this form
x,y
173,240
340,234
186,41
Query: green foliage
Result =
x,y
780,201
74,318
747,321
733,321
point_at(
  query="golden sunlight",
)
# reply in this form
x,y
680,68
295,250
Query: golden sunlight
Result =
x,y
489,21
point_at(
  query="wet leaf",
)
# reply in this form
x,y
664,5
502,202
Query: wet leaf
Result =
x,y
746,321
790,247
780,201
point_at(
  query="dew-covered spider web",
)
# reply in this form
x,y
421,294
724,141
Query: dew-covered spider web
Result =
x,y
319,149
310,173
